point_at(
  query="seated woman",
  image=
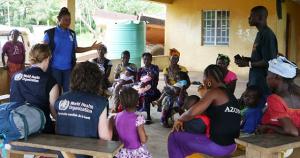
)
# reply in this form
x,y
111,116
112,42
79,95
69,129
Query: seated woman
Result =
x,y
171,74
153,93
121,68
222,108
283,110
230,77
81,111
35,86
104,65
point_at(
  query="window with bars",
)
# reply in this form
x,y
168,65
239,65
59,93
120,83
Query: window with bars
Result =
x,y
215,27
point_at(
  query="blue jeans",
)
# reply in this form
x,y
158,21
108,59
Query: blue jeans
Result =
x,y
62,78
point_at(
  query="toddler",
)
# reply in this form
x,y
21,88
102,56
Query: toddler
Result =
x,y
130,127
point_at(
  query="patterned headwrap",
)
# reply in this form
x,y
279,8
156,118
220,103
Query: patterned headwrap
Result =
x,y
223,57
283,67
174,52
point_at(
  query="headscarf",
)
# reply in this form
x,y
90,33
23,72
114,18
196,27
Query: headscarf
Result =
x,y
283,67
174,52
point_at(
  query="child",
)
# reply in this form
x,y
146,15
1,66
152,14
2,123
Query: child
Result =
x,y
127,77
200,124
130,127
252,113
182,81
144,85
230,77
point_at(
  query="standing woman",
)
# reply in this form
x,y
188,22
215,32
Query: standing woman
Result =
x,y
15,52
63,44
222,108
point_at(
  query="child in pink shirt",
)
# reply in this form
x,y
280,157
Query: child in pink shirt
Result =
x,y
230,77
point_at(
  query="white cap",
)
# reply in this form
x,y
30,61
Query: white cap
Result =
x,y
282,67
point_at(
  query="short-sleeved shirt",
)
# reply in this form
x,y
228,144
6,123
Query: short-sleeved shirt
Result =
x,y
103,65
277,109
78,114
154,70
126,125
251,119
265,48
64,42
33,85
172,75
120,68
15,52
230,77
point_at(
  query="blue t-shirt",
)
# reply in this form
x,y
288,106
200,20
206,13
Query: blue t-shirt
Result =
x,y
251,119
78,114
62,53
33,85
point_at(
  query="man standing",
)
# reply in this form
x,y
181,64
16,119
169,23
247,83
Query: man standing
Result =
x,y
15,52
264,49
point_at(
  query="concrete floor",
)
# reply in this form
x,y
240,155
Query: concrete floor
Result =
x,y
158,135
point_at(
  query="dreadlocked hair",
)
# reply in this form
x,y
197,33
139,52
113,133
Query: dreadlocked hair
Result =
x,y
216,72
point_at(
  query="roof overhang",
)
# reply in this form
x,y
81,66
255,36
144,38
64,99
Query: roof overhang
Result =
x,y
163,1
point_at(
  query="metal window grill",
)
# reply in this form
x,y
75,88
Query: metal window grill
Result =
x,y
215,27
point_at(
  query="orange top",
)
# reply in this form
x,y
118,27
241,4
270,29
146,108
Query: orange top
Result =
x,y
276,109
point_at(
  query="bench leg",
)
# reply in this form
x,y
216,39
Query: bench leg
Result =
x,y
252,153
13,155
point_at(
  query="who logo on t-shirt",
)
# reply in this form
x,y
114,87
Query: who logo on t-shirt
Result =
x,y
18,76
63,104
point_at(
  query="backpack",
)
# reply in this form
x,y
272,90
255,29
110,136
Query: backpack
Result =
x,y
19,120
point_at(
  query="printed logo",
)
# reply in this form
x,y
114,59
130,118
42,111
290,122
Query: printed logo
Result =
x,y
63,104
18,76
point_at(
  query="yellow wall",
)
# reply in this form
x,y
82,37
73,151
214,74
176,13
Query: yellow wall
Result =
x,y
293,9
183,30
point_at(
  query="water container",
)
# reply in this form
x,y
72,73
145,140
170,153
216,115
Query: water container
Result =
x,y
126,36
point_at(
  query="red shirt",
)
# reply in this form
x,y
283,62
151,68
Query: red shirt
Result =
x,y
14,51
276,109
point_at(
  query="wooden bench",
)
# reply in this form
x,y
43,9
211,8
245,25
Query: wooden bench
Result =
x,y
69,146
4,98
268,145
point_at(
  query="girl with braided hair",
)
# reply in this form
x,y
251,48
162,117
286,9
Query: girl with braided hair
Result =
x,y
222,108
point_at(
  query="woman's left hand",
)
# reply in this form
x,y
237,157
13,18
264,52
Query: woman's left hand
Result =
x,y
178,126
96,45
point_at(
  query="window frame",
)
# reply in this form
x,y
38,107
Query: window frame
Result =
x,y
214,20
